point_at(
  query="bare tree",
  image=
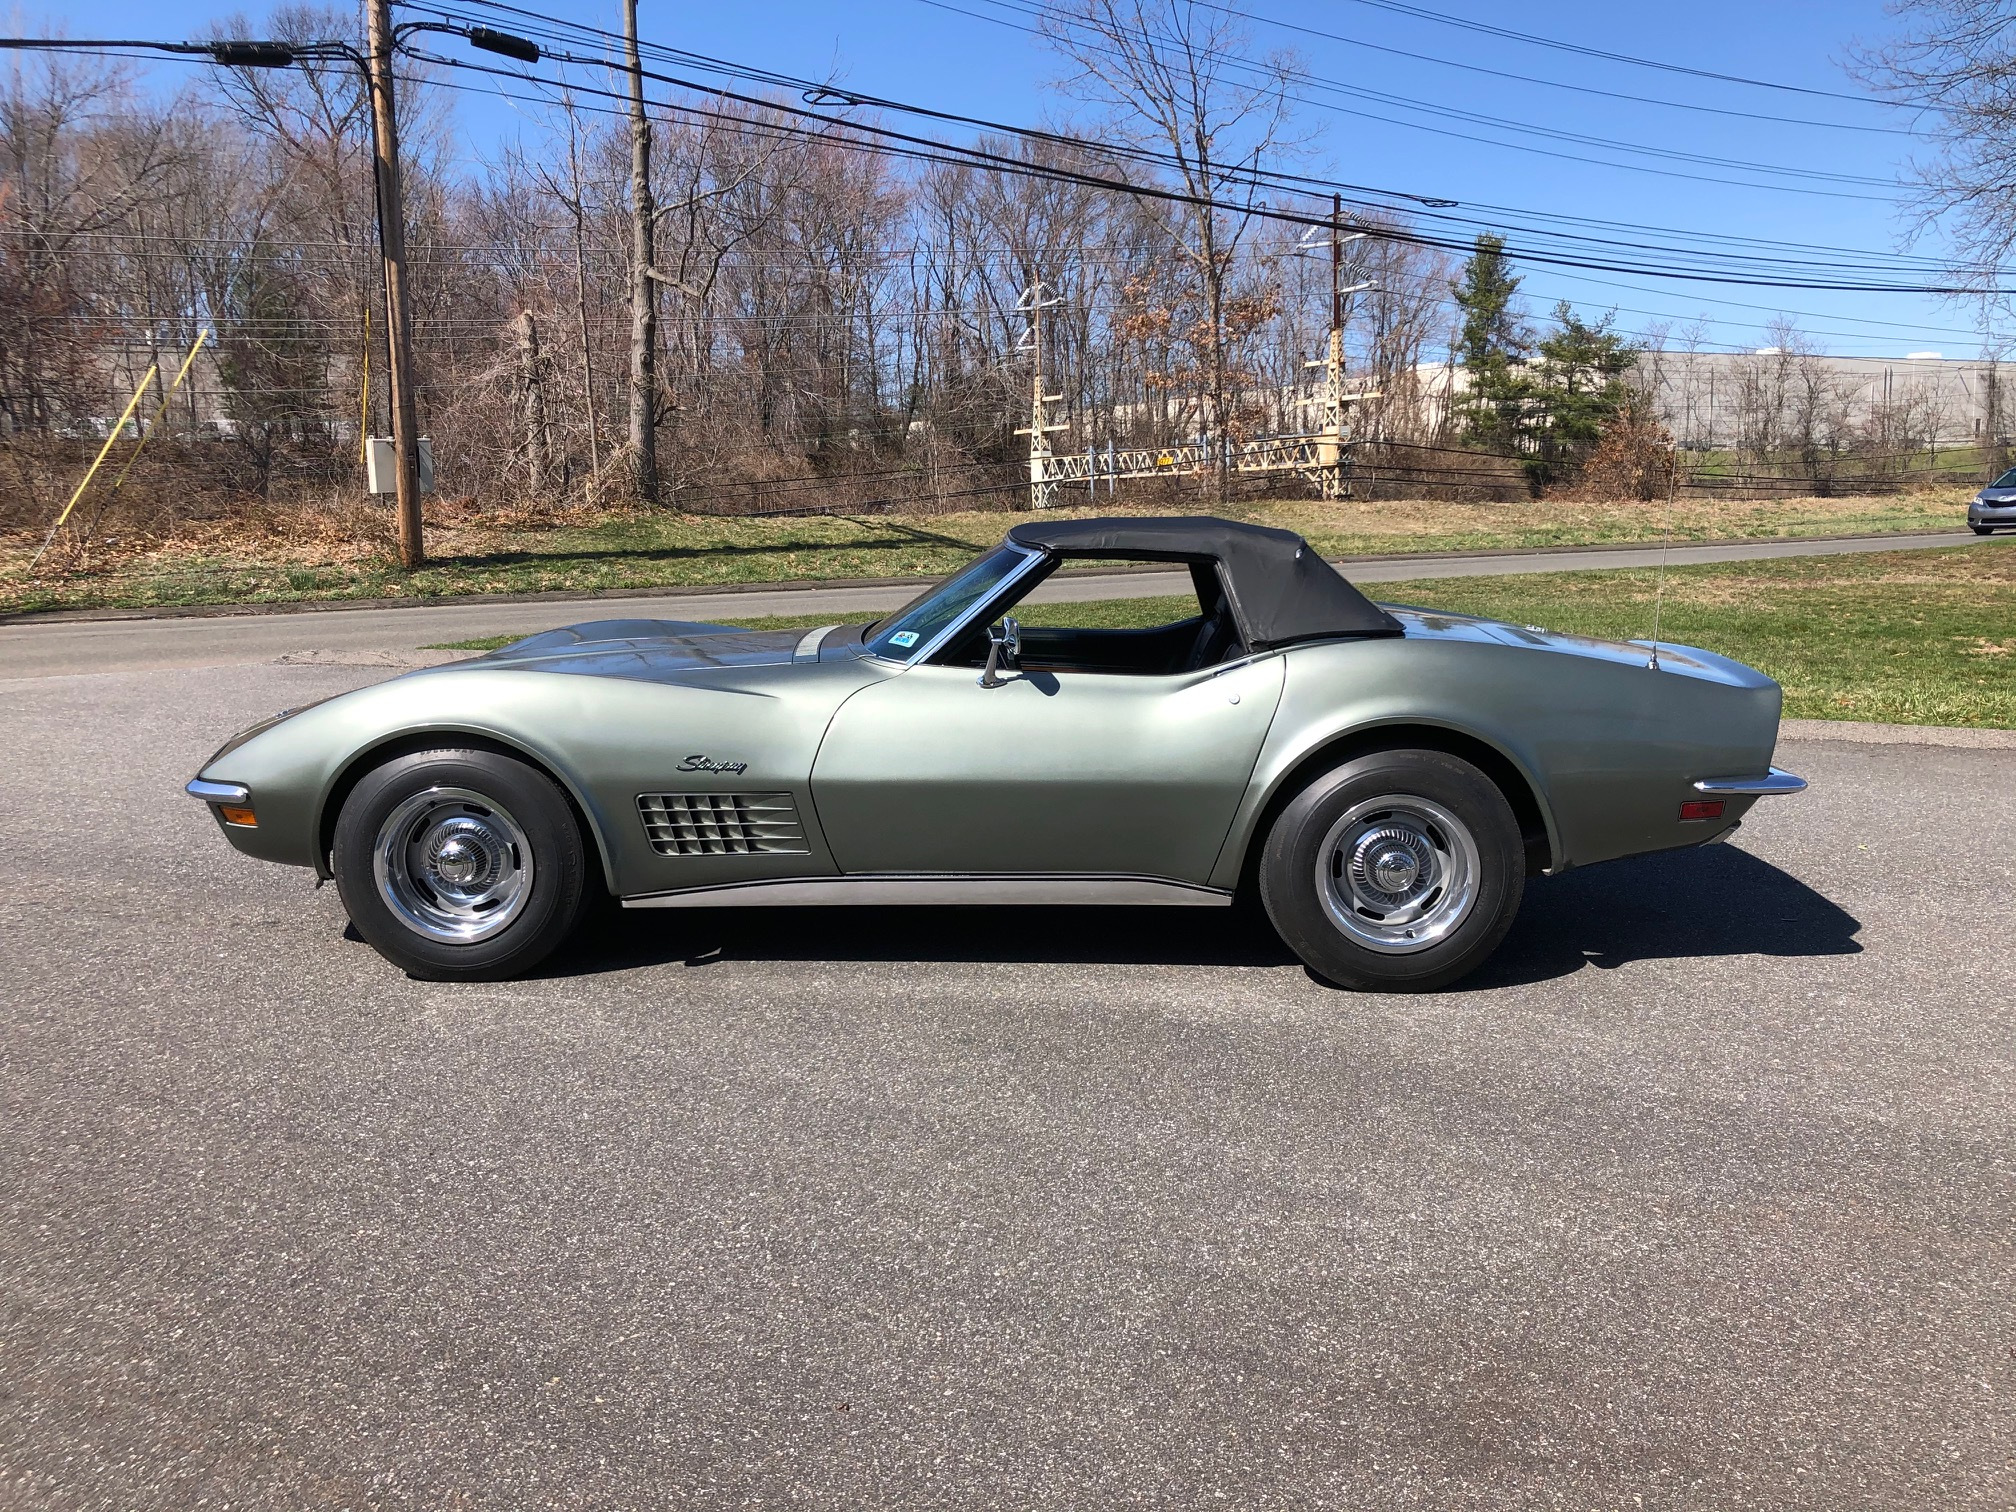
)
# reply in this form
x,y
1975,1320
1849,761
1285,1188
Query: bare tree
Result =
x,y
643,285
1176,75
1956,64
82,157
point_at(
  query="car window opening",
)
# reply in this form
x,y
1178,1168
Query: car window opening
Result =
x,y
1206,636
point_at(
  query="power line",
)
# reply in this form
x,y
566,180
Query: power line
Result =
x,y
1287,182
1334,86
1013,164
1359,92
903,144
1499,73
139,245
932,149
1420,12
1869,262
1901,325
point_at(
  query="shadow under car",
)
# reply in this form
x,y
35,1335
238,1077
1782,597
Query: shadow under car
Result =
x,y
1716,901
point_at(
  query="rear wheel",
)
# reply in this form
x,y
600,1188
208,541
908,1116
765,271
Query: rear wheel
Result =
x,y
1397,872
460,865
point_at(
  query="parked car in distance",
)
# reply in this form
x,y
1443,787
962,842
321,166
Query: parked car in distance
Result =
x,y
1383,779
1994,507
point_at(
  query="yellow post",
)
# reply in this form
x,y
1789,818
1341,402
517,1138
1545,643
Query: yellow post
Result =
x,y
364,400
161,408
97,462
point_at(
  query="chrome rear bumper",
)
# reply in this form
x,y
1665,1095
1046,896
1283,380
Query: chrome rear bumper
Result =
x,y
1775,782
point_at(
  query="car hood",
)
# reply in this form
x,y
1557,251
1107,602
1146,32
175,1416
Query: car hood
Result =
x,y
652,650
1997,496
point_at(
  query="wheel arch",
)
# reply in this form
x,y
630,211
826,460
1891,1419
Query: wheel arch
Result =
x,y
1537,831
390,747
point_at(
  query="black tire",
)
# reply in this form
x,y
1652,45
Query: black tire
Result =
x,y
1982,529
1449,821
511,823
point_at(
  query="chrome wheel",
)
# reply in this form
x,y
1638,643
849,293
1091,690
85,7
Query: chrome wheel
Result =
x,y
1397,873
452,865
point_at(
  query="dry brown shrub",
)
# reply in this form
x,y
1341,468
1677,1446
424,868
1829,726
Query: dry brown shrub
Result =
x,y
1633,460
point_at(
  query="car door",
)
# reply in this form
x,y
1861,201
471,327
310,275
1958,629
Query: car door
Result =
x,y
1085,772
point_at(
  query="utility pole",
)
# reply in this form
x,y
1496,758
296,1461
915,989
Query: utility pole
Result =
x,y
1330,446
398,321
1336,269
1042,487
581,305
643,292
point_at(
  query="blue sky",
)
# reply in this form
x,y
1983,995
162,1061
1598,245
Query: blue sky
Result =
x,y
933,55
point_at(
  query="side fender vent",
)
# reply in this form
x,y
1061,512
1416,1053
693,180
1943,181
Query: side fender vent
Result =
x,y
722,824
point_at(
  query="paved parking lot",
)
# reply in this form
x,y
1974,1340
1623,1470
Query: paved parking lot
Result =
x,y
1699,1197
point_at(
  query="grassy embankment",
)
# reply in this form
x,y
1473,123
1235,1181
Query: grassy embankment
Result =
x,y
1918,637
330,558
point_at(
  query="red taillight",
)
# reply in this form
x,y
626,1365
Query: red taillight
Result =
x,y
1702,808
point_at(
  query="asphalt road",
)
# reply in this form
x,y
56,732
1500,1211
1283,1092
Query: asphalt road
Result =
x,y
1699,1197
56,646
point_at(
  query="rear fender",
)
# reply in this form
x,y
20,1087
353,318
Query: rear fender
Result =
x,y
1285,769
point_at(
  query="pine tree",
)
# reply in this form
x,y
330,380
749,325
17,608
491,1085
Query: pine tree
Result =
x,y
1577,391
1492,345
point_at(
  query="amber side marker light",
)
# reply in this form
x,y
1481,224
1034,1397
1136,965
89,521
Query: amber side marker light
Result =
x,y
1698,809
246,818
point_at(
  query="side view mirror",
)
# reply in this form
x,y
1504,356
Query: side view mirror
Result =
x,y
1004,651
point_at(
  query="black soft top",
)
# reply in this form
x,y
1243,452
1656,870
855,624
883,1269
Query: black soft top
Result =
x,y
1280,588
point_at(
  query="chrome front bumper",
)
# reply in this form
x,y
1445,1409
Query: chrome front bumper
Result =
x,y
1774,783
218,792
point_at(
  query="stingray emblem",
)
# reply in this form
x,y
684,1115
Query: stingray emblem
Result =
x,y
709,764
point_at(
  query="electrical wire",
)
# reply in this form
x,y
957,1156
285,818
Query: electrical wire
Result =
x,y
1421,12
1868,261
1310,80
1499,73
538,26
908,145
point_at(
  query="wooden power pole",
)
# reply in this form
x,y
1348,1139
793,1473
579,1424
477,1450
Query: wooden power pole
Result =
x,y
643,291
398,318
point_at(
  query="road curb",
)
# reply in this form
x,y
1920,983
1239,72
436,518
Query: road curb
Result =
x,y
813,585
1856,732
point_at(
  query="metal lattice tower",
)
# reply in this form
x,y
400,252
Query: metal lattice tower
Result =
x,y
1321,455
1042,463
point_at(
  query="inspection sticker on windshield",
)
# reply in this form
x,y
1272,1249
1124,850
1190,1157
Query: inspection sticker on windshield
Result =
x,y
904,638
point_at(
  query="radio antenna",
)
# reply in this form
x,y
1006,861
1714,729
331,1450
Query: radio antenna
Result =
x,y
1665,546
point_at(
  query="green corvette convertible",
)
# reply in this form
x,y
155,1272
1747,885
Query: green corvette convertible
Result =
x,y
1383,779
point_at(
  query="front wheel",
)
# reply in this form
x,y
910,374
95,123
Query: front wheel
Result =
x,y
460,865
1398,872
1982,529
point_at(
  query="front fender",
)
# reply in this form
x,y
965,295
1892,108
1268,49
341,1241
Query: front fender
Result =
x,y
297,768
604,739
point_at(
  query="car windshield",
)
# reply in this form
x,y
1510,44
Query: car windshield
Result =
x,y
918,622
2007,480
